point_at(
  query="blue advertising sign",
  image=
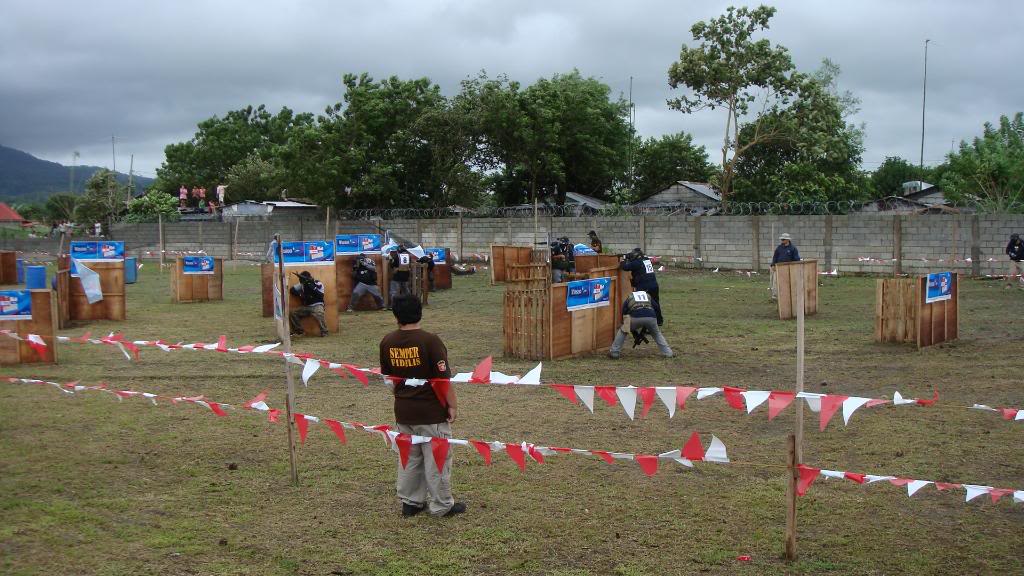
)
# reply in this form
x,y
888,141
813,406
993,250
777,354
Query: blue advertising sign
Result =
x,y
356,243
198,265
310,252
592,293
82,250
940,287
15,305
90,251
440,255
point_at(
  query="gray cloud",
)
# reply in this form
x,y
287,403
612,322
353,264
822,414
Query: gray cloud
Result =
x,y
76,73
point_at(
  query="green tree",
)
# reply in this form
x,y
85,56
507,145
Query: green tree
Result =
x,y
104,199
888,178
254,179
31,212
149,207
61,207
663,161
729,69
988,173
810,153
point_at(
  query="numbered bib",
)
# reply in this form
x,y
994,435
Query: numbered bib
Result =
x,y
641,297
403,259
648,267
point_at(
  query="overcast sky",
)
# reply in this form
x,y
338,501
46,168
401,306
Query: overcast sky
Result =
x,y
74,73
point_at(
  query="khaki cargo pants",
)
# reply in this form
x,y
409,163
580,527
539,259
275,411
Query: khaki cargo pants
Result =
x,y
420,477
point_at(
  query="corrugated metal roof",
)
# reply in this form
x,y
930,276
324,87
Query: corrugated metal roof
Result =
x,y
8,214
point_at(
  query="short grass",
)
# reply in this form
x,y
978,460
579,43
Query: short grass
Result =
x,y
90,485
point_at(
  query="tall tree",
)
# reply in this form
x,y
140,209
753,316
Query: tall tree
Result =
x,y
671,158
104,199
888,178
729,69
989,172
60,207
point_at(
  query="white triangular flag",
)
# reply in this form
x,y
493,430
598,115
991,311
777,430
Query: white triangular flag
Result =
x,y
716,452
833,474
869,478
1018,496
850,405
668,397
915,485
754,398
262,349
627,395
897,400
703,393
984,407
309,369
532,377
677,456
1020,415
586,394
90,282
975,491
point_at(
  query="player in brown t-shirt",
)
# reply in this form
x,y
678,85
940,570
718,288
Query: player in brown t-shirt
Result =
x,y
412,353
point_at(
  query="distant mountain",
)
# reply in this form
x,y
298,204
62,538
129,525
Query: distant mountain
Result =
x,y
27,179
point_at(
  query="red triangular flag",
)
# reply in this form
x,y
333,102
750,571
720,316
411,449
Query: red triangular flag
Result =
x,y
222,344
484,449
647,395
482,372
1009,413
404,442
515,452
439,446
39,347
338,429
604,455
535,454
858,478
441,387
607,393
682,393
807,477
900,481
997,493
357,373
946,485
303,425
246,348
83,338
567,392
258,398
875,402
693,450
734,398
935,398
829,404
217,409
272,414
648,463
777,402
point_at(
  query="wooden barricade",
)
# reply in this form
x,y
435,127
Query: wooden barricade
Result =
x,y
502,255
62,292
346,282
785,278
442,276
901,314
8,267
187,288
325,274
42,324
267,279
418,282
537,324
587,262
112,307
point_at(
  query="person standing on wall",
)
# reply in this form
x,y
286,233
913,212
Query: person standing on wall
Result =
x,y
420,410
639,316
364,272
1015,250
311,292
643,278
595,242
401,263
784,252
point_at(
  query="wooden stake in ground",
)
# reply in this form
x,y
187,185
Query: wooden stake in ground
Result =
x,y
160,230
327,224
286,341
794,475
799,423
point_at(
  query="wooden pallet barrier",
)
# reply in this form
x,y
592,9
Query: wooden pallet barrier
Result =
x,y
197,279
8,267
346,281
786,274
42,321
502,256
902,313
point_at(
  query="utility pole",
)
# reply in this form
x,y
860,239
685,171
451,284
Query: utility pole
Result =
x,y
74,160
632,131
924,100
131,181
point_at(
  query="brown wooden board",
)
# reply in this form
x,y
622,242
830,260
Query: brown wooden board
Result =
x,y
8,267
267,288
42,324
186,288
786,274
502,255
346,282
442,277
329,277
113,305
587,262
62,294
901,314
561,322
938,322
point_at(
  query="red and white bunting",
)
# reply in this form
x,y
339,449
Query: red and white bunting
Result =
x,y
808,474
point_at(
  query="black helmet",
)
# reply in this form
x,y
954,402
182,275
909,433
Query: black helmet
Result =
x,y
564,239
305,275
1014,236
591,233
637,252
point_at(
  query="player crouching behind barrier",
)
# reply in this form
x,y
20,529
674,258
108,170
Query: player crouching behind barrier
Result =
x,y
311,292
640,317
364,271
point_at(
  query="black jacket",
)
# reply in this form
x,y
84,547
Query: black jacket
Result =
x,y
786,254
311,292
635,309
365,274
642,270
1015,250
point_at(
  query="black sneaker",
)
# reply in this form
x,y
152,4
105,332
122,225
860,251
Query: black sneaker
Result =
x,y
323,333
298,333
457,508
408,510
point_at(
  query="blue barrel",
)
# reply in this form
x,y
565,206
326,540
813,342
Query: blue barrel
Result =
x,y
21,271
35,277
131,270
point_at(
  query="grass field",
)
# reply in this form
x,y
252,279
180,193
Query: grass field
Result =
x,y
90,485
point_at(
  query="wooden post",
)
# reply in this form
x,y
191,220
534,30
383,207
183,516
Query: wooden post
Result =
x,y
327,224
462,255
643,233
755,242
160,230
234,243
897,245
793,474
828,243
975,245
286,341
534,222
799,423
